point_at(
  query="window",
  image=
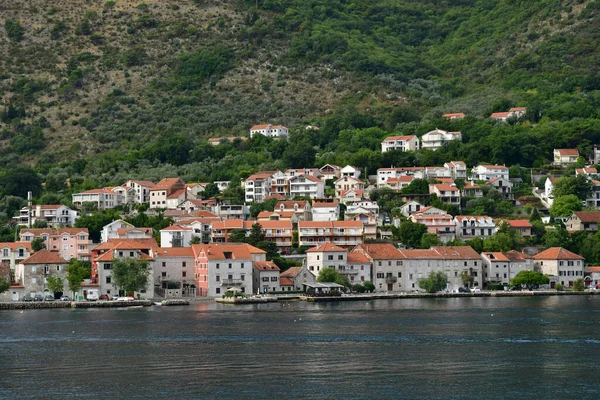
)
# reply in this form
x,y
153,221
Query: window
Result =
x,y
311,268
362,267
399,274
229,265
273,279
398,263
379,263
380,275
120,254
330,257
217,278
242,265
184,274
340,257
164,264
465,263
107,266
265,279
58,268
163,274
410,276
108,279
229,276
218,290
217,265
65,238
318,258
183,264
243,277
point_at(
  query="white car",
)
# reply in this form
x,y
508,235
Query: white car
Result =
x,y
126,298
475,290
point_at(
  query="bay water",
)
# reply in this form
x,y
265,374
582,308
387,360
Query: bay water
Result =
x,y
462,348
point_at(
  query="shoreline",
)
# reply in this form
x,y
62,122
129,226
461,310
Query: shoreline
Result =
x,y
20,305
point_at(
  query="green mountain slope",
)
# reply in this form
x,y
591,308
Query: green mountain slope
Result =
x,y
135,88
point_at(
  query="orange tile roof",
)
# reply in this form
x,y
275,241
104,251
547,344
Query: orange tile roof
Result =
x,y
15,245
514,255
166,183
495,166
260,175
557,253
290,204
568,152
122,231
325,247
307,177
230,224
265,266
259,127
588,216
500,114
454,115
143,183
518,223
175,252
217,251
592,269
176,228
380,251
317,204
176,194
515,109
291,272
45,257
457,252
357,258
285,281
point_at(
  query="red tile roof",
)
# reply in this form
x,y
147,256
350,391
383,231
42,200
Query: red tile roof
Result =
x,y
325,247
500,115
291,272
454,115
175,252
16,245
357,258
55,232
217,251
568,152
167,183
45,257
557,253
380,251
406,138
285,281
588,216
265,266
290,204
519,223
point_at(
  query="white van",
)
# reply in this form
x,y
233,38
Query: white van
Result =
x,y
92,295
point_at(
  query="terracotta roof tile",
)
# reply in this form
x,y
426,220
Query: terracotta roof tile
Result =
x,y
557,253
45,257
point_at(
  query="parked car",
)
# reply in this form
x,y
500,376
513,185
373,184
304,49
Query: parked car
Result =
x,y
38,297
65,298
463,290
48,297
475,290
27,298
125,298
115,297
103,297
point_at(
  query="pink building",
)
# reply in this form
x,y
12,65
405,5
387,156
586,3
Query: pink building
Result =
x,y
68,242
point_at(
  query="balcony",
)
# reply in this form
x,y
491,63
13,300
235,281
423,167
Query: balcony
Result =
x,y
226,282
391,279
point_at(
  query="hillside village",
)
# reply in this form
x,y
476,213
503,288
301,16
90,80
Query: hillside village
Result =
x,y
293,224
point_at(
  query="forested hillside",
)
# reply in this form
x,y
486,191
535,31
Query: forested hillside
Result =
x,y
95,92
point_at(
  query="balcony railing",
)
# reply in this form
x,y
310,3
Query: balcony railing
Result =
x,y
231,282
391,279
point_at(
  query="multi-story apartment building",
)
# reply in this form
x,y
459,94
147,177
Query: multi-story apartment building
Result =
x,y
501,267
141,190
487,172
386,264
346,183
448,193
279,232
468,226
106,253
160,192
268,130
12,253
173,272
306,186
561,263
222,229
67,242
341,233
503,186
231,211
325,210
458,169
350,171
102,199
176,236
402,143
265,276
435,139
383,174
55,215
301,209
441,225
565,156
220,267
296,277
471,189
326,255
330,172
258,186
33,272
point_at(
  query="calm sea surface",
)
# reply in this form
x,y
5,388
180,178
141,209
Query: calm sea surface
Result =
x,y
398,349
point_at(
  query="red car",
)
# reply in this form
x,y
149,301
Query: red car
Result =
x,y
103,297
